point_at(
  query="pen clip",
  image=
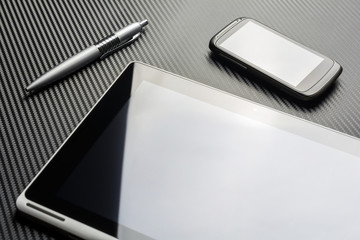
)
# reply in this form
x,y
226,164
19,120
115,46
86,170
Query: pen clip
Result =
x,y
116,48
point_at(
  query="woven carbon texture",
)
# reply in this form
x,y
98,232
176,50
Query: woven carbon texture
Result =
x,y
37,35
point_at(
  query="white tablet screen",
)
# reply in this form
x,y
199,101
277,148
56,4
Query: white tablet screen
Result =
x,y
191,168
196,171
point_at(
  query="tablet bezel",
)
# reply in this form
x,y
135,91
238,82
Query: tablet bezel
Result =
x,y
45,206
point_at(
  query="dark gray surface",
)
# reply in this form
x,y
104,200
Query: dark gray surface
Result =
x,y
35,36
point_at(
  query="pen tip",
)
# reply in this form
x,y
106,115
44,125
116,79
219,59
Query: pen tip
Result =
x,y
30,88
144,23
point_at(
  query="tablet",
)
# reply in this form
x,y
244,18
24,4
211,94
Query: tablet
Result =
x,y
160,156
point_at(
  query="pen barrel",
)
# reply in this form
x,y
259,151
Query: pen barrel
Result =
x,y
65,68
100,50
108,45
118,39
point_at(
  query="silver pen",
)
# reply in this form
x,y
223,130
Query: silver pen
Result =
x,y
100,50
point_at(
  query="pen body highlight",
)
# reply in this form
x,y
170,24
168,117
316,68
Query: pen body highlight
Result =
x,y
100,50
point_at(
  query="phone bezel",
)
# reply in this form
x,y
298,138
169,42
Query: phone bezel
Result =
x,y
304,86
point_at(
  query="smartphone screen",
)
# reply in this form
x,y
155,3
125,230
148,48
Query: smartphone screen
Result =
x,y
276,59
272,53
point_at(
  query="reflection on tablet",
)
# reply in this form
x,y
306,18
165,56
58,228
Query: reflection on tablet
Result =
x,y
176,162
190,166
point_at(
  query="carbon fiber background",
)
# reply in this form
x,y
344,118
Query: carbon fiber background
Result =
x,y
37,35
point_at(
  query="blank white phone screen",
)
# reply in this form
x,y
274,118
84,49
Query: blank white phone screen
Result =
x,y
272,53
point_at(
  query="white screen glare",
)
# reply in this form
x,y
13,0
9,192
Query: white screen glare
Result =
x,y
186,161
272,53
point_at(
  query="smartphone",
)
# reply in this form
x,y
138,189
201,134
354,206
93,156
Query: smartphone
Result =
x,y
277,59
